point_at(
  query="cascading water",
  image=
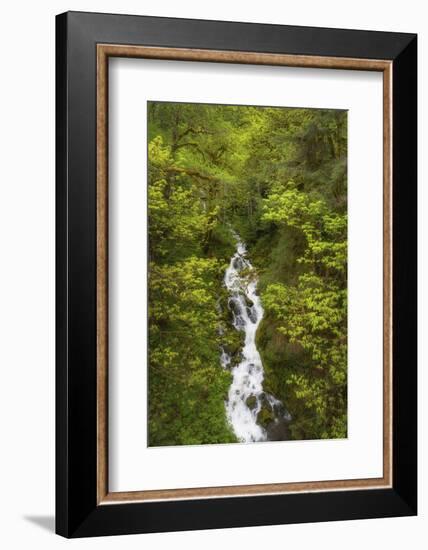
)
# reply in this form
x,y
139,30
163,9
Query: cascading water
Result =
x,y
246,395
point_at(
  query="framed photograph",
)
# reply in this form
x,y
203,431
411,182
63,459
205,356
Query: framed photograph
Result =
x,y
236,274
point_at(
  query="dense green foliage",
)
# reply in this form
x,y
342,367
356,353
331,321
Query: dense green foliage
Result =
x,y
278,176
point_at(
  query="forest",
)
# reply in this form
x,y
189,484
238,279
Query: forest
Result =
x,y
277,177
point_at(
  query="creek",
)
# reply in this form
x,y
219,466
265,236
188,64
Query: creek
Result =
x,y
246,397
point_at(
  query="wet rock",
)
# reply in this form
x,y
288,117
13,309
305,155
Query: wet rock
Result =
x,y
238,263
278,408
278,431
264,401
252,314
235,306
225,358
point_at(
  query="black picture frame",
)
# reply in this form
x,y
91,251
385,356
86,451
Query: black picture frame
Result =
x,y
77,511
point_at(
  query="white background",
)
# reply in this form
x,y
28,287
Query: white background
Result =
x,y
27,275
132,83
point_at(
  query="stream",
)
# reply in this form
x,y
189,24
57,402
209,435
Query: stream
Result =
x,y
246,398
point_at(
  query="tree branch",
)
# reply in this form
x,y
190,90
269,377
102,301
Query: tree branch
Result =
x,y
189,172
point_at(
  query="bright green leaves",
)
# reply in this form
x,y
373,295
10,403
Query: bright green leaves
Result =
x,y
278,176
325,230
310,310
187,386
187,383
313,312
185,294
177,219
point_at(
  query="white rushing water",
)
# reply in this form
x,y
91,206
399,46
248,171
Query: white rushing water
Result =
x,y
246,395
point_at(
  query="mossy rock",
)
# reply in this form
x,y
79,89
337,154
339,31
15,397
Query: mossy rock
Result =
x,y
248,301
265,417
233,345
251,402
231,348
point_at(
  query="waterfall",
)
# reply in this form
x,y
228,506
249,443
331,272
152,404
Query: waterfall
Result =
x,y
246,395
